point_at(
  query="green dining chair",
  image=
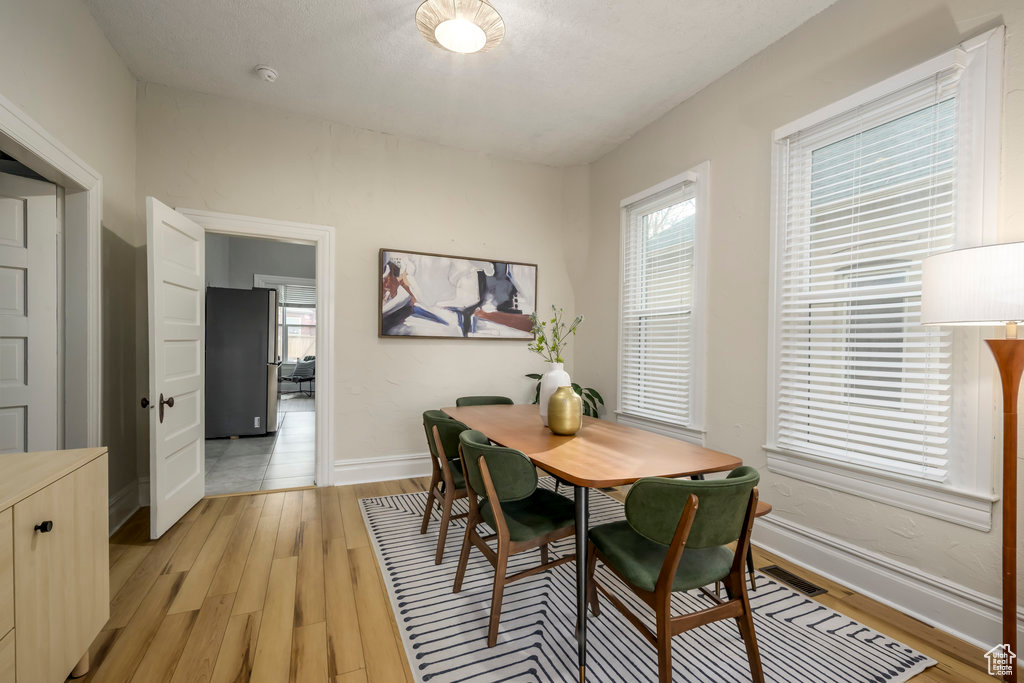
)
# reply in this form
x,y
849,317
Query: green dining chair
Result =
x,y
463,401
675,538
447,483
763,509
523,516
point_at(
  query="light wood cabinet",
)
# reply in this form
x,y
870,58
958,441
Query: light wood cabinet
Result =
x,y
53,555
7,658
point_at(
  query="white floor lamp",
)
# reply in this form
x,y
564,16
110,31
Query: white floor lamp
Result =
x,y
985,286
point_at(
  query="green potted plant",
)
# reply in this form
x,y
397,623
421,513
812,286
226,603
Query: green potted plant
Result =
x,y
550,342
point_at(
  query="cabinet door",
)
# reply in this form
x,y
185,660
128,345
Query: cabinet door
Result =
x,y
61,581
7,658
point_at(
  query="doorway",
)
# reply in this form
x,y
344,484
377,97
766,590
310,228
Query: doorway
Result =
x,y
176,254
31,315
78,408
261,329
322,238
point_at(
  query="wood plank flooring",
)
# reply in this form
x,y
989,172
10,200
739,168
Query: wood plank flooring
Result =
x,y
285,586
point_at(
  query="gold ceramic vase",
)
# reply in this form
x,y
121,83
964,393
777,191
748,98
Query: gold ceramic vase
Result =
x,y
565,411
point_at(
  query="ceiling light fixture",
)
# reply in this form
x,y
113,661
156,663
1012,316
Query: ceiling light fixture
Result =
x,y
463,26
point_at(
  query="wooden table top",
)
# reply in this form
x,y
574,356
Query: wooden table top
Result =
x,y
601,454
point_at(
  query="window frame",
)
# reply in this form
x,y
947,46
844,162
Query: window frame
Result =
x,y
284,325
276,282
694,432
966,497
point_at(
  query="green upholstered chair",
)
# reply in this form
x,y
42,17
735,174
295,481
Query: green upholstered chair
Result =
x,y
763,509
483,401
447,483
523,516
675,538
495,401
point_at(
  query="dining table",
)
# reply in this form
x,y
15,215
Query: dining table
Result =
x,y
601,454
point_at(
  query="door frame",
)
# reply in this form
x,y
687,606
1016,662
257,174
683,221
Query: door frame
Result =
x,y
321,237
27,141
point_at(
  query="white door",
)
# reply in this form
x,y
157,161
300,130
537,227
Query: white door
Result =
x,y
177,303
28,315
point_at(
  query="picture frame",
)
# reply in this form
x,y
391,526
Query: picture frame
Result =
x,y
426,295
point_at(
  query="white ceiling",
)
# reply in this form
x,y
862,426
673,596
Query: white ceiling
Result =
x,y
572,79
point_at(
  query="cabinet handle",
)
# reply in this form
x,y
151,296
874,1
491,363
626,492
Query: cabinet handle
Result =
x,y
44,527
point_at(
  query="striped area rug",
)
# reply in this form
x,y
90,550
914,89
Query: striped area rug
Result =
x,y
445,634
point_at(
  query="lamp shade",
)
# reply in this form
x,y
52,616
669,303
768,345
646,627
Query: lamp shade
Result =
x,y
974,286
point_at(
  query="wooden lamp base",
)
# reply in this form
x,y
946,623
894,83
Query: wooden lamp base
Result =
x,y
1009,354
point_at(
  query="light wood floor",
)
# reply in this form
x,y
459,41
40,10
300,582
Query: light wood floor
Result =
x,y
285,586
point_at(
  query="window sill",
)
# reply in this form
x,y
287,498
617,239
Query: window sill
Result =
x,y
966,508
694,436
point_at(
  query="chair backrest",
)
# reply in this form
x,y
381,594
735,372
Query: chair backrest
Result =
x,y
513,475
437,417
655,504
483,401
303,369
449,432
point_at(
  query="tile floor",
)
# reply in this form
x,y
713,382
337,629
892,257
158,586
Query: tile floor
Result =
x,y
277,461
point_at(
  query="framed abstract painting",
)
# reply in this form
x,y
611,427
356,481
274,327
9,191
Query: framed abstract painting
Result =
x,y
453,297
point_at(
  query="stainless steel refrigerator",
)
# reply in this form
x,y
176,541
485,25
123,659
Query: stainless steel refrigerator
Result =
x,y
242,361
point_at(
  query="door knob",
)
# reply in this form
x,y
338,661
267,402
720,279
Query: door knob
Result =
x,y
44,527
145,403
169,402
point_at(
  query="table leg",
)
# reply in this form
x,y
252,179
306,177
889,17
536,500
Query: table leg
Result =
x,y
582,495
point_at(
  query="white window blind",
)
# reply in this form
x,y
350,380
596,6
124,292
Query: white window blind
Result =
x,y
657,345
866,196
297,294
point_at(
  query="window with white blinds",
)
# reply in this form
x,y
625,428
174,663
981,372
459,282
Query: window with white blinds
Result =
x,y
294,294
865,196
296,314
657,346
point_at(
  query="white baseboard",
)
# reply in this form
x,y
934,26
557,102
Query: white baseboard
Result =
x,y
383,468
143,491
947,605
123,505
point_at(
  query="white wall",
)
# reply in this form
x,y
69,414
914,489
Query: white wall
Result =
x,y
201,151
60,69
852,45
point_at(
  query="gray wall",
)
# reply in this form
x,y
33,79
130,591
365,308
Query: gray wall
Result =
x,y
121,411
232,261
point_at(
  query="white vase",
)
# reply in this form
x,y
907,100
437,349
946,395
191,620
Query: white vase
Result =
x,y
555,377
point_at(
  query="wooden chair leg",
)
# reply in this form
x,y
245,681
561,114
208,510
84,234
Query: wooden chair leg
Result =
x,y
664,645
750,568
429,507
595,606
544,554
442,534
745,622
460,573
496,596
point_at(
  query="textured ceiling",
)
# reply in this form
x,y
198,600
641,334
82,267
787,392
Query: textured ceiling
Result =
x,y
572,79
